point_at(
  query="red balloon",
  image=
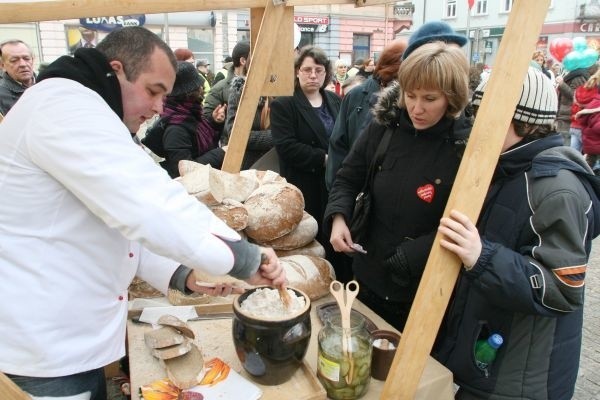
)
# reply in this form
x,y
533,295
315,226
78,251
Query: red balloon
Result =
x,y
560,47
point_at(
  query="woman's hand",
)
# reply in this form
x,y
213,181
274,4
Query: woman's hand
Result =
x,y
340,238
270,271
219,289
219,113
461,237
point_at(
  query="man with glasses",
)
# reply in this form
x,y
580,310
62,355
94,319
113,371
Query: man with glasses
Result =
x,y
16,59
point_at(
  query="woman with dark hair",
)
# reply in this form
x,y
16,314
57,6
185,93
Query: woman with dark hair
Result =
x,y
366,70
182,133
301,126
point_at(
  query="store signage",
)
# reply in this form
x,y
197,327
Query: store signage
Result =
x,y
311,20
587,27
313,28
112,22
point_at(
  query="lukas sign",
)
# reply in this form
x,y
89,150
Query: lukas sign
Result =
x,y
112,22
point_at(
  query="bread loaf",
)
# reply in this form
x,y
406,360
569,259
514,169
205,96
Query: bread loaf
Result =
x,y
314,249
163,337
312,275
177,350
302,235
263,177
185,371
187,166
274,209
233,213
178,298
225,185
174,322
196,183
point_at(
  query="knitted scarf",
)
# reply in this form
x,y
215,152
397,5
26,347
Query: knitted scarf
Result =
x,y
189,111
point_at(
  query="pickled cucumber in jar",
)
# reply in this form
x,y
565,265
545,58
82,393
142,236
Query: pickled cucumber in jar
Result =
x,y
344,376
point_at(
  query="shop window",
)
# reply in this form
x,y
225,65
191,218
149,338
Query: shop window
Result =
x,y
201,43
361,46
450,9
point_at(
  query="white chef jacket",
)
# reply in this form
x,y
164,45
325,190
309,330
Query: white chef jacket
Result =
x,y
82,210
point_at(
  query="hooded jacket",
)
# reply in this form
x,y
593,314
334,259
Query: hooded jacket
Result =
x,y
539,218
566,89
409,191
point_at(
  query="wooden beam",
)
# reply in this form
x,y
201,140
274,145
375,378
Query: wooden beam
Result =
x,y
67,9
257,73
10,391
468,193
280,78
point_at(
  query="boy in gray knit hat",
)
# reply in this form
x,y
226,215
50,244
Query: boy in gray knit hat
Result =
x,y
524,261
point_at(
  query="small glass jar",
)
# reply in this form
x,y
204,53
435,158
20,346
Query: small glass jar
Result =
x,y
344,376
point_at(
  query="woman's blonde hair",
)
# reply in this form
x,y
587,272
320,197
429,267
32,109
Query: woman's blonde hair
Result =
x,y
437,66
593,81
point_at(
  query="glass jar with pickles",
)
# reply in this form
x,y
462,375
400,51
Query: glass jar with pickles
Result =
x,y
345,375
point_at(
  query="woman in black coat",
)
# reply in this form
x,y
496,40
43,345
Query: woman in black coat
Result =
x,y
301,125
412,182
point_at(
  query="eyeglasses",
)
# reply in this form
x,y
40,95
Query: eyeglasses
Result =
x,y
309,71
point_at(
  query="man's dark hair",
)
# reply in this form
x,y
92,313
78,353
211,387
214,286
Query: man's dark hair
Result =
x,y
132,46
241,49
317,54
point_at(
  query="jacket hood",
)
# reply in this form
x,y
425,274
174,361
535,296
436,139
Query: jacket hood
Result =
x,y
90,68
575,73
386,110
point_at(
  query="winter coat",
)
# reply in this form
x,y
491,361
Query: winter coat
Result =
x,y
301,142
10,91
260,140
566,90
355,115
410,191
218,95
581,98
590,128
537,224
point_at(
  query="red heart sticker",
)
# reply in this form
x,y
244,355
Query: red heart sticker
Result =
x,y
426,192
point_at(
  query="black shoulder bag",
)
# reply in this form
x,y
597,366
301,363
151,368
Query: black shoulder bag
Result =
x,y
362,204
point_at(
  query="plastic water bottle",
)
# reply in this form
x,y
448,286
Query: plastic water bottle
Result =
x,y
485,351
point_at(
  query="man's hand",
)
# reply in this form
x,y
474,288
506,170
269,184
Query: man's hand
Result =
x,y
270,271
219,113
461,237
218,289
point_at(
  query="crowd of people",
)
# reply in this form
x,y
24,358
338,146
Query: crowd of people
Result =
x,y
85,209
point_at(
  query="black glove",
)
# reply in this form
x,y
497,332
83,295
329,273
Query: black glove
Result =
x,y
397,266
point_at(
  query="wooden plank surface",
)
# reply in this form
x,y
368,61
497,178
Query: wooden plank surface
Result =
x,y
257,73
10,391
280,77
469,190
214,338
66,9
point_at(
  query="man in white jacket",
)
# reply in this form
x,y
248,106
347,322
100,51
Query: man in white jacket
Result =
x,y
84,209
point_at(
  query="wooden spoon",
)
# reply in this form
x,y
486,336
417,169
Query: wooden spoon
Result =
x,y
286,299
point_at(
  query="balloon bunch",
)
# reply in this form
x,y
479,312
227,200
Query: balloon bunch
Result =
x,y
573,53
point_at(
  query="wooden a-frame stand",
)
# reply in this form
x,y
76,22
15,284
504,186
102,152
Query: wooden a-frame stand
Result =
x,y
271,76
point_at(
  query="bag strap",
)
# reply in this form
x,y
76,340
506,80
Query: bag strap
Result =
x,y
378,157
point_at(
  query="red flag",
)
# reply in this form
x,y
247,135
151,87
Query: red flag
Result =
x,y
471,3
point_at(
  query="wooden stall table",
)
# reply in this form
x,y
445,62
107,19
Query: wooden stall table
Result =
x,y
215,340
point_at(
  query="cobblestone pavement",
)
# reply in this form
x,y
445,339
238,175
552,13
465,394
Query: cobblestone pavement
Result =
x,y
588,382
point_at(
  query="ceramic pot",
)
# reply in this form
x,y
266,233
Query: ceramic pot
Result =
x,y
271,349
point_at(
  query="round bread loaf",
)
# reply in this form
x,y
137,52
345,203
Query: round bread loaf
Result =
x,y
302,235
274,209
314,249
312,275
225,185
187,166
232,212
178,298
263,177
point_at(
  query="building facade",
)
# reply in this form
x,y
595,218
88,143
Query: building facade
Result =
x,y
485,22
343,31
